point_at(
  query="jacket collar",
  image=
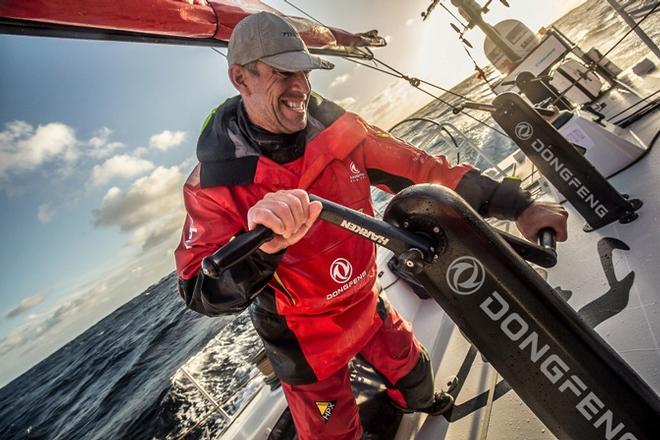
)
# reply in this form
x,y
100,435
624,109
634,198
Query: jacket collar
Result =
x,y
227,158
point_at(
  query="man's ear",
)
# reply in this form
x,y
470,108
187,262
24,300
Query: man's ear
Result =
x,y
237,76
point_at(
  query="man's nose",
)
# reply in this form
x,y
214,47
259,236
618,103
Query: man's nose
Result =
x,y
301,80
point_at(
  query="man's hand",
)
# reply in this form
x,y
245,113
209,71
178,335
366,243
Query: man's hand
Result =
x,y
289,213
540,215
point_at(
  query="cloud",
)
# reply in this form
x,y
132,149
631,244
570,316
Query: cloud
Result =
x,y
45,213
123,166
101,145
151,209
386,108
24,148
346,102
341,79
71,310
410,22
153,234
167,139
27,304
140,151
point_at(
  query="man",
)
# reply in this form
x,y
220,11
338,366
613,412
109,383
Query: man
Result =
x,y
260,155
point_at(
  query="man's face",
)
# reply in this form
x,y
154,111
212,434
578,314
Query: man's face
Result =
x,y
277,101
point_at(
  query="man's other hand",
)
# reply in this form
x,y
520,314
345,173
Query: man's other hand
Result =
x,y
540,215
289,213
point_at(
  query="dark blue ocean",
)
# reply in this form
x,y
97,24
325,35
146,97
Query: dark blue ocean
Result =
x,y
125,377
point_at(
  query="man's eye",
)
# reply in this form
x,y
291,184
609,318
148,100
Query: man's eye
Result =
x,y
281,74
286,75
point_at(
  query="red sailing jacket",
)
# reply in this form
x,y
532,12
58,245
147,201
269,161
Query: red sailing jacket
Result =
x,y
324,284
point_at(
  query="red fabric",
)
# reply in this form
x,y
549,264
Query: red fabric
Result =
x,y
162,17
393,351
307,401
172,18
331,319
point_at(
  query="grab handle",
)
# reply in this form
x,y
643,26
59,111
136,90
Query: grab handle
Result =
x,y
235,251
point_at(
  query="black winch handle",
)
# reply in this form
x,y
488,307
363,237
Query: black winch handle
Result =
x,y
398,240
548,239
545,254
378,231
235,251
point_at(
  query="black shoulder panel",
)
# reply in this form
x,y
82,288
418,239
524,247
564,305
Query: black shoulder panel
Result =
x,y
326,112
214,143
239,171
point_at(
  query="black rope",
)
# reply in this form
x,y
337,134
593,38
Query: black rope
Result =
x,y
633,105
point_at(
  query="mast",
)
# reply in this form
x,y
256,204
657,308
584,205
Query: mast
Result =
x,y
620,8
471,10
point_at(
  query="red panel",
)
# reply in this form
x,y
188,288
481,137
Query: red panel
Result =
x,y
230,12
170,17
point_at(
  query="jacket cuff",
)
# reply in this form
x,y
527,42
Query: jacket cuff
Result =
x,y
509,201
503,200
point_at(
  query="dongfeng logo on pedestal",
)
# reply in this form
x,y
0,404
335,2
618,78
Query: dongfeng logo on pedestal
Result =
x,y
524,131
341,270
465,275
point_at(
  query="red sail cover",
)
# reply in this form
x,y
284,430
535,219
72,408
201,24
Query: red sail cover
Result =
x,y
178,18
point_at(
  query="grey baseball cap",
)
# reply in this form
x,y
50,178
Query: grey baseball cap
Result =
x,y
269,38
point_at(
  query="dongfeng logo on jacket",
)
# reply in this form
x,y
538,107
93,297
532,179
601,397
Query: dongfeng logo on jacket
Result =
x,y
356,174
341,270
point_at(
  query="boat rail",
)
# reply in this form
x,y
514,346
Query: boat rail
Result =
x,y
217,406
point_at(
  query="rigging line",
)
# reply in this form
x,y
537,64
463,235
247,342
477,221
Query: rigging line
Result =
x,y
303,12
372,67
453,15
412,80
458,95
400,76
647,15
593,65
370,55
481,71
218,51
437,98
633,105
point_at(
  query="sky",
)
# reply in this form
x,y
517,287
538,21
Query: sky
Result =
x,y
97,138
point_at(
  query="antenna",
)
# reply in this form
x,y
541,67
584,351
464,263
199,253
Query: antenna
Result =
x,y
430,9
